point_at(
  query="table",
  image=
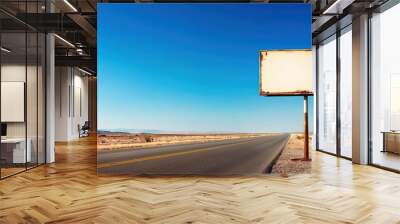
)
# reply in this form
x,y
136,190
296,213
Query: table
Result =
x,y
391,141
13,150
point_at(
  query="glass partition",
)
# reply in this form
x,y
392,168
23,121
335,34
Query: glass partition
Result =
x,y
23,91
346,92
14,153
385,89
327,95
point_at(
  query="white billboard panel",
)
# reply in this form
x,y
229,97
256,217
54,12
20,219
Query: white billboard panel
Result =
x,y
286,72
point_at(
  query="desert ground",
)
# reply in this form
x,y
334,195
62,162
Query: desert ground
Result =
x,y
285,166
108,141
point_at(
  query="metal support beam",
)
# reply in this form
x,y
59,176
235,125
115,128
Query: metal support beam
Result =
x,y
86,26
77,61
43,22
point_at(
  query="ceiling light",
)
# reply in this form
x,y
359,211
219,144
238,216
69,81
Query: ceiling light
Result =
x,y
84,71
5,50
79,51
64,40
70,5
337,7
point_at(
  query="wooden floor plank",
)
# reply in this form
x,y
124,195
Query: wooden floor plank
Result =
x,y
70,191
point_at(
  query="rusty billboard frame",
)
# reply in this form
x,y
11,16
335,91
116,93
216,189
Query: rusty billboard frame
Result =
x,y
266,93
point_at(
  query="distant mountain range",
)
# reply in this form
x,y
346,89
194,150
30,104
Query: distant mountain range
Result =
x,y
135,131
154,131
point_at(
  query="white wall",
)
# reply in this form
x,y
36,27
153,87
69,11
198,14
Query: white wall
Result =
x,y
33,126
71,102
80,111
62,82
14,72
17,73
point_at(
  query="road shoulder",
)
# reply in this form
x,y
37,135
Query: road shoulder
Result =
x,y
284,166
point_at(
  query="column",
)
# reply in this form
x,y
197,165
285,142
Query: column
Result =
x,y
360,90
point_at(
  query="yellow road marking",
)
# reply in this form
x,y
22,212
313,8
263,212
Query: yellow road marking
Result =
x,y
110,164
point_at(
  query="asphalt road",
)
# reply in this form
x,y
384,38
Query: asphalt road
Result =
x,y
229,157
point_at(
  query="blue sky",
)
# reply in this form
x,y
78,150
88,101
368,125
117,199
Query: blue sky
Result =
x,y
194,67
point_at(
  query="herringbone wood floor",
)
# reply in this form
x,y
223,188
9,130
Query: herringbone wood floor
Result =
x,y
69,191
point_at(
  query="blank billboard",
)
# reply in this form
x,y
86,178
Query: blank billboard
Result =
x,y
286,72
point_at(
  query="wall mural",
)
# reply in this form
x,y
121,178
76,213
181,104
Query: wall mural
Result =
x,y
178,89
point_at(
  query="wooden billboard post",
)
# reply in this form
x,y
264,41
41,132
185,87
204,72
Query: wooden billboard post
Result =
x,y
288,73
306,156
306,138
